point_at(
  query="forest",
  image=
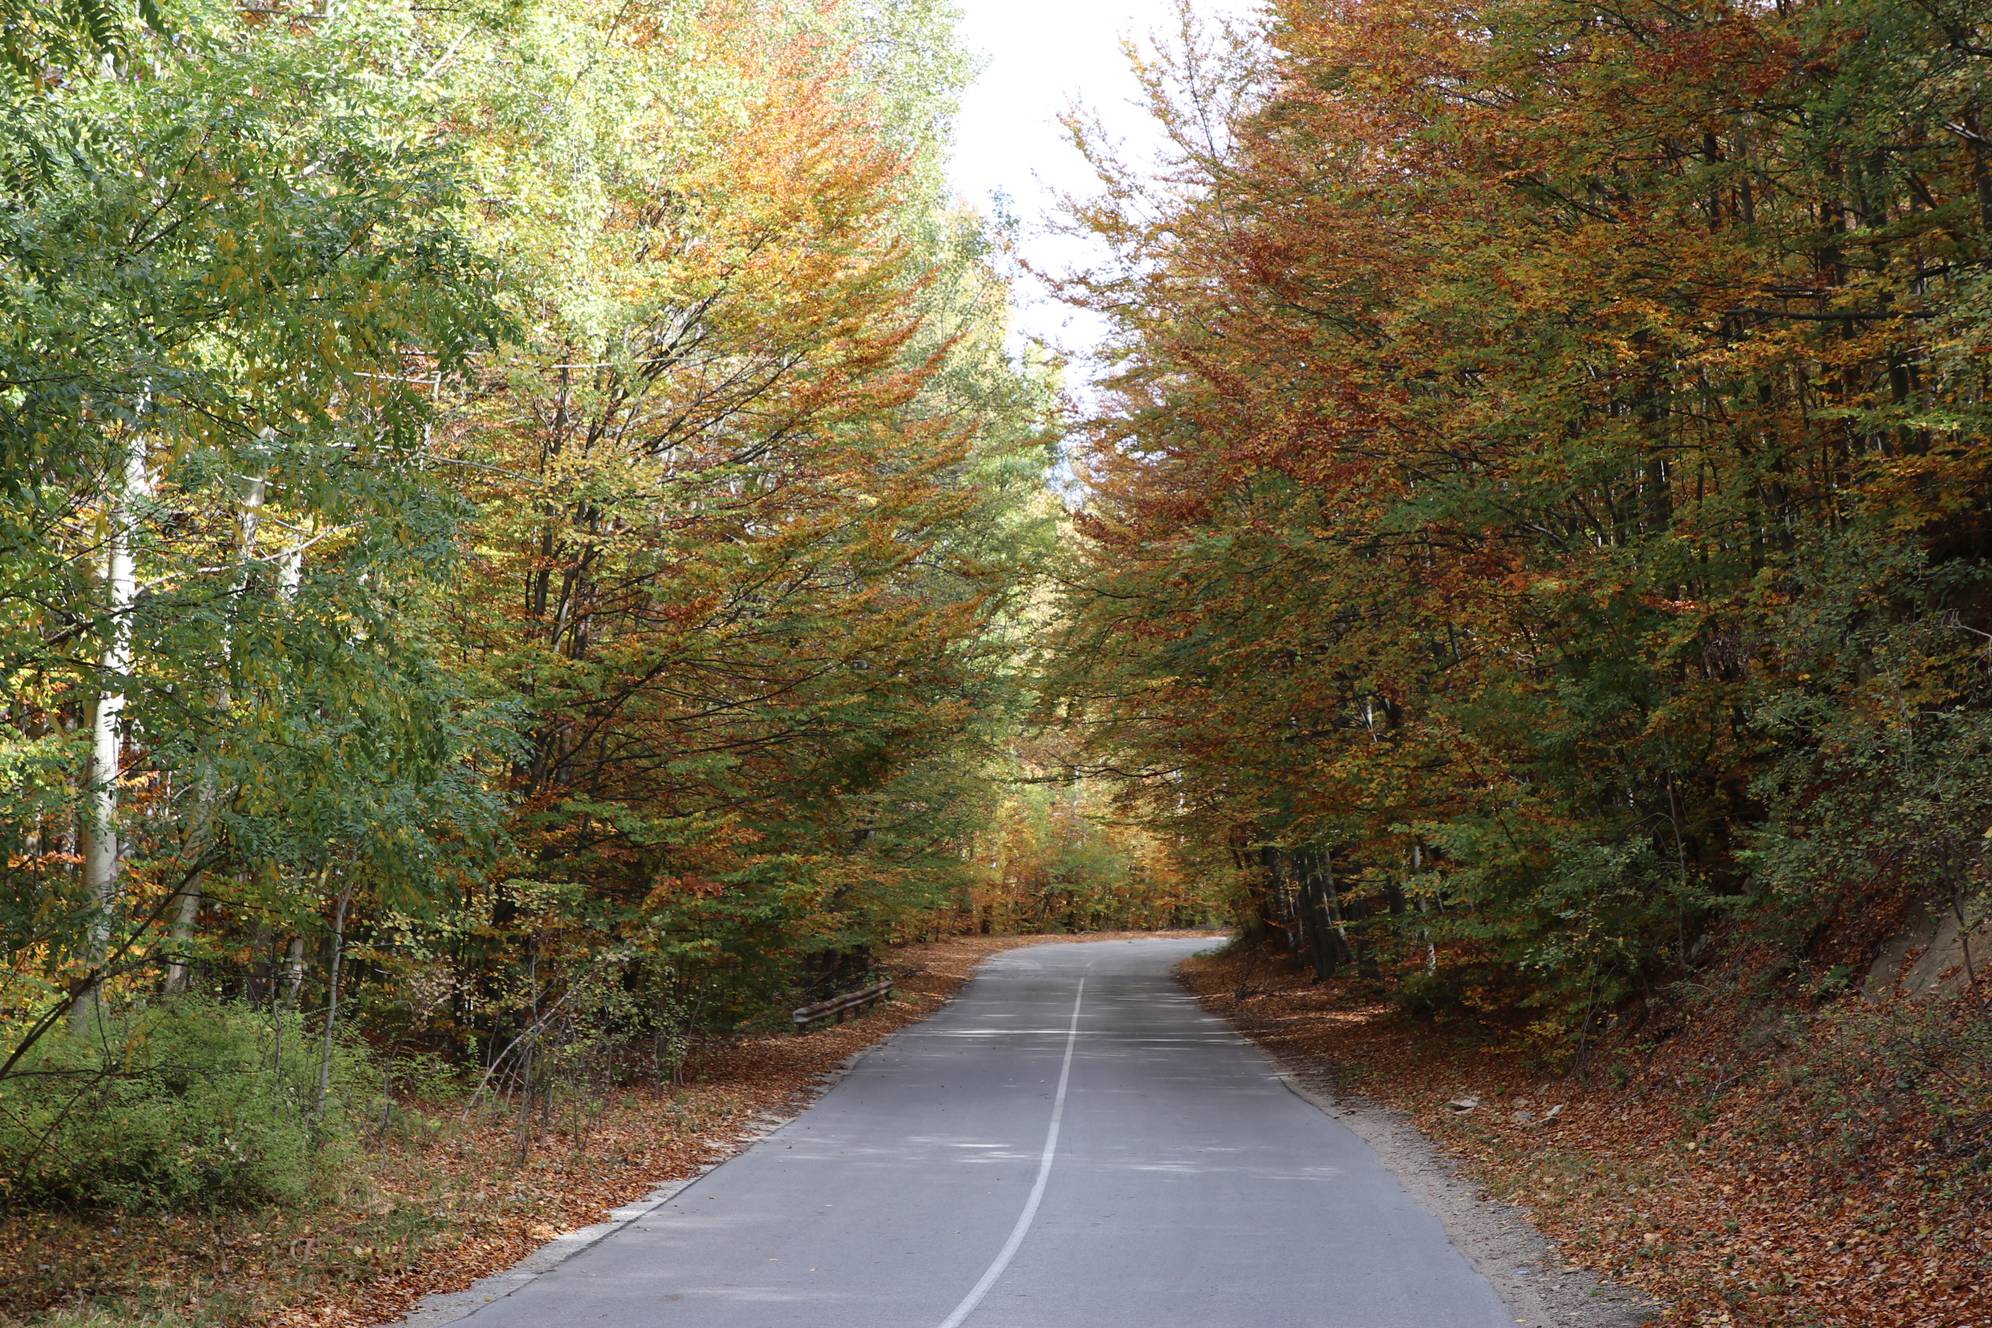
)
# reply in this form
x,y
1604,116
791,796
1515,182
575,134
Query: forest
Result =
x,y
529,543
520,530
1541,524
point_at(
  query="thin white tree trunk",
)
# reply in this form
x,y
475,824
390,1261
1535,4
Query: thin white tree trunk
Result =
x,y
100,795
290,573
293,972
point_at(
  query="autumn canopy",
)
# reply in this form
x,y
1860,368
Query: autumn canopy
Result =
x,y
529,543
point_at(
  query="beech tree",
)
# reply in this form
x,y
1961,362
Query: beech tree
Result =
x,y
1545,477
208,311
523,508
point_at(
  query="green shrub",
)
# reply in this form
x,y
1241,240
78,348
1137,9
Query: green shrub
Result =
x,y
190,1103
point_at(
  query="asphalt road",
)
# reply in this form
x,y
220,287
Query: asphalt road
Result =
x,y
1072,1143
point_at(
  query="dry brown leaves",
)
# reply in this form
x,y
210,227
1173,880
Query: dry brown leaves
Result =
x,y
1707,1185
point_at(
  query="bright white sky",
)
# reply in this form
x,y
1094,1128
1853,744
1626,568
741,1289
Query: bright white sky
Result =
x,y
1038,56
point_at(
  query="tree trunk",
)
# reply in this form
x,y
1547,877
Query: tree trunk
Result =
x,y
100,815
331,1001
1331,908
1424,932
526,1053
293,982
209,801
1277,905
1316,921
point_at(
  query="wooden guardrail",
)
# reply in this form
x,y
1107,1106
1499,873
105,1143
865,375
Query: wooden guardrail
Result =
x,y
839,1006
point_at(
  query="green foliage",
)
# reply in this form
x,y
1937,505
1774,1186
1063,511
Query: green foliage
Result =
x,y
190,1104
762,475
1546,478
232,296
1887,796
40,39
545,495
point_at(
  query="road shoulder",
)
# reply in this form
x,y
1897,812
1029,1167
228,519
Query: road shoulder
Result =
x,y
1526,1269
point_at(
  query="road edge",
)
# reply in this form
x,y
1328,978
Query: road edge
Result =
x,y
1527,1271
441,1308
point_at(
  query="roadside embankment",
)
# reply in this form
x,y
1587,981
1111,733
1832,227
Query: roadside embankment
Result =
x,y
1755,1167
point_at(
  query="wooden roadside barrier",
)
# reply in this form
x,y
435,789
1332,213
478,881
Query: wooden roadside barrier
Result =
x,y
839,1006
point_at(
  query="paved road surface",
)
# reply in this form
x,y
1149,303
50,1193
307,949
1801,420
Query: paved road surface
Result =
x,y
1071,1143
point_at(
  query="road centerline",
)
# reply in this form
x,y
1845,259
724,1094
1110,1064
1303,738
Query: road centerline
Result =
x,y
1029,1215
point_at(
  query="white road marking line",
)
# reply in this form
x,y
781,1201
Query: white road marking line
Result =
x,y
1024,1219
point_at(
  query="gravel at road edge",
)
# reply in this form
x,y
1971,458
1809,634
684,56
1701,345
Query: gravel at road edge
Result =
x,y
1530,1276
